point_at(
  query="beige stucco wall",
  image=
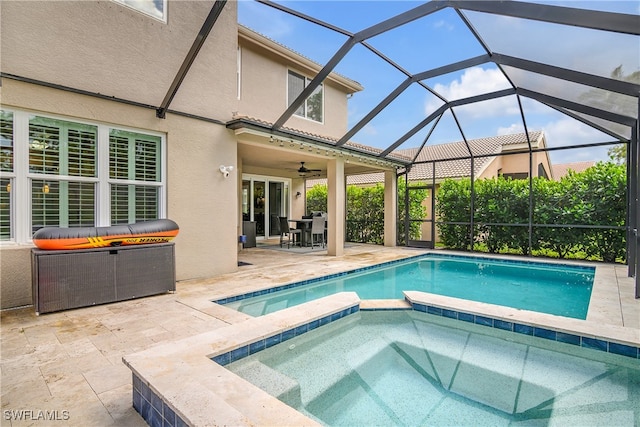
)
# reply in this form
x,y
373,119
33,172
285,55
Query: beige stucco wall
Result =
x,y
103,47
264,94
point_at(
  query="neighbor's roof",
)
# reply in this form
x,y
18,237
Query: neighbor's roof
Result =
x,y
562,169
484,148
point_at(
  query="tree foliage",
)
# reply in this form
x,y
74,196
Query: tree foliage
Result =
x,y
365,210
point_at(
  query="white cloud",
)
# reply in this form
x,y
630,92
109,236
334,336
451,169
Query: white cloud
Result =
x,y
443,24
514,128
566,132
370,130
476,81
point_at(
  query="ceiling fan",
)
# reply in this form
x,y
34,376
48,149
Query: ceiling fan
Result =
x,y
303,170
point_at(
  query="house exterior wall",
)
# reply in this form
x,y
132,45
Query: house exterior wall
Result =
x,y
263,92
103,47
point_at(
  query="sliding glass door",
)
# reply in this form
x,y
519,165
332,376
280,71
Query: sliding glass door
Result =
x,y
264,199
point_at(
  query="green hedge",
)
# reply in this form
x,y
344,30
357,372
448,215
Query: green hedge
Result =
x,y
595,197
365,211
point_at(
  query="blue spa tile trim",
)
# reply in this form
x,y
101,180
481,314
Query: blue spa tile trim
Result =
x,y
549,334
398,261
523,329
386,309
595,344
154,410
254,347
568,338
503,324
545,333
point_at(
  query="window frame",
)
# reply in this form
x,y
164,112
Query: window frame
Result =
x,y
305,106
21,178
143,11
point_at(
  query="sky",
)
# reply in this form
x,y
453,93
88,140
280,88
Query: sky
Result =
x,y
442,38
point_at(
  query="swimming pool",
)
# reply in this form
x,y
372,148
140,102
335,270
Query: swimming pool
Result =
x,y
411,368
550,288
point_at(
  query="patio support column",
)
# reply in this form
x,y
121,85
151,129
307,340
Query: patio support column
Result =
x,y
336,202
390,207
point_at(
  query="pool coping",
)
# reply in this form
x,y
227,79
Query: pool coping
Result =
x,y
208,394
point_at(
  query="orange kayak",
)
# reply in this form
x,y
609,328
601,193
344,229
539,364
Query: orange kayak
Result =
x,y
140,233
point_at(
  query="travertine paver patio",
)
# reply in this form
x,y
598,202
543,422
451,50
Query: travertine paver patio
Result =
x,y
68,365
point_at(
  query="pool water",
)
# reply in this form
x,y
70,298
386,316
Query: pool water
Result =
x,y
544,287
406,368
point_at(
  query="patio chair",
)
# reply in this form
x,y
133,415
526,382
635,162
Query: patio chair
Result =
x,y
288,232
274,225
317,229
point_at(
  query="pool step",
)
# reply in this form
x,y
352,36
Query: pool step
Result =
x,y
273,382
385,304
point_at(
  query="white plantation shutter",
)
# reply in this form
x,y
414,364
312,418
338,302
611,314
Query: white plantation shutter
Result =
x,y
63,151
134,158
6,165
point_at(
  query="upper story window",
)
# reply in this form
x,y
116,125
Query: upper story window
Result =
x,y
155,8
312,108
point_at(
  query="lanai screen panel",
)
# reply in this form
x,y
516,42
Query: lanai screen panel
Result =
x,y
591,96
580,49
435,40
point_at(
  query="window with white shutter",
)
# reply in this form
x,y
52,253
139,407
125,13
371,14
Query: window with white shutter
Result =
x,y
6,166
135,158
57,166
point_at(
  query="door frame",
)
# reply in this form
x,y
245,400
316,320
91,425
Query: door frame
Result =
x,y
285,199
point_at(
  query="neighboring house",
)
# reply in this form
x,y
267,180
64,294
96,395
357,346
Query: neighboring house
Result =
x,y
506,155
488,161
96,131
562,169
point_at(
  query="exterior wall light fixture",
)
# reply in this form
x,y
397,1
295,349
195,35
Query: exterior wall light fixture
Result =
x,y
225,170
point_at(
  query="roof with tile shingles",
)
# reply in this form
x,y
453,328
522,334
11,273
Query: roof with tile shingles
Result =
x,y
562,169
458,167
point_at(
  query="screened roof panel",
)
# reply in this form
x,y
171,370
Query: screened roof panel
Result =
x,y
560,128
617,129
469,82
341,13
616,6
603,99
580,49
564,75
398,118
446,130
432,41
500,116
293,32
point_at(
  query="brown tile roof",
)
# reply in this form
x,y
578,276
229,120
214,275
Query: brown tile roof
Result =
x,y
459,167
562,169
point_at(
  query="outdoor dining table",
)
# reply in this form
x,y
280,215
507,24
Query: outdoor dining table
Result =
x,y
303,224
